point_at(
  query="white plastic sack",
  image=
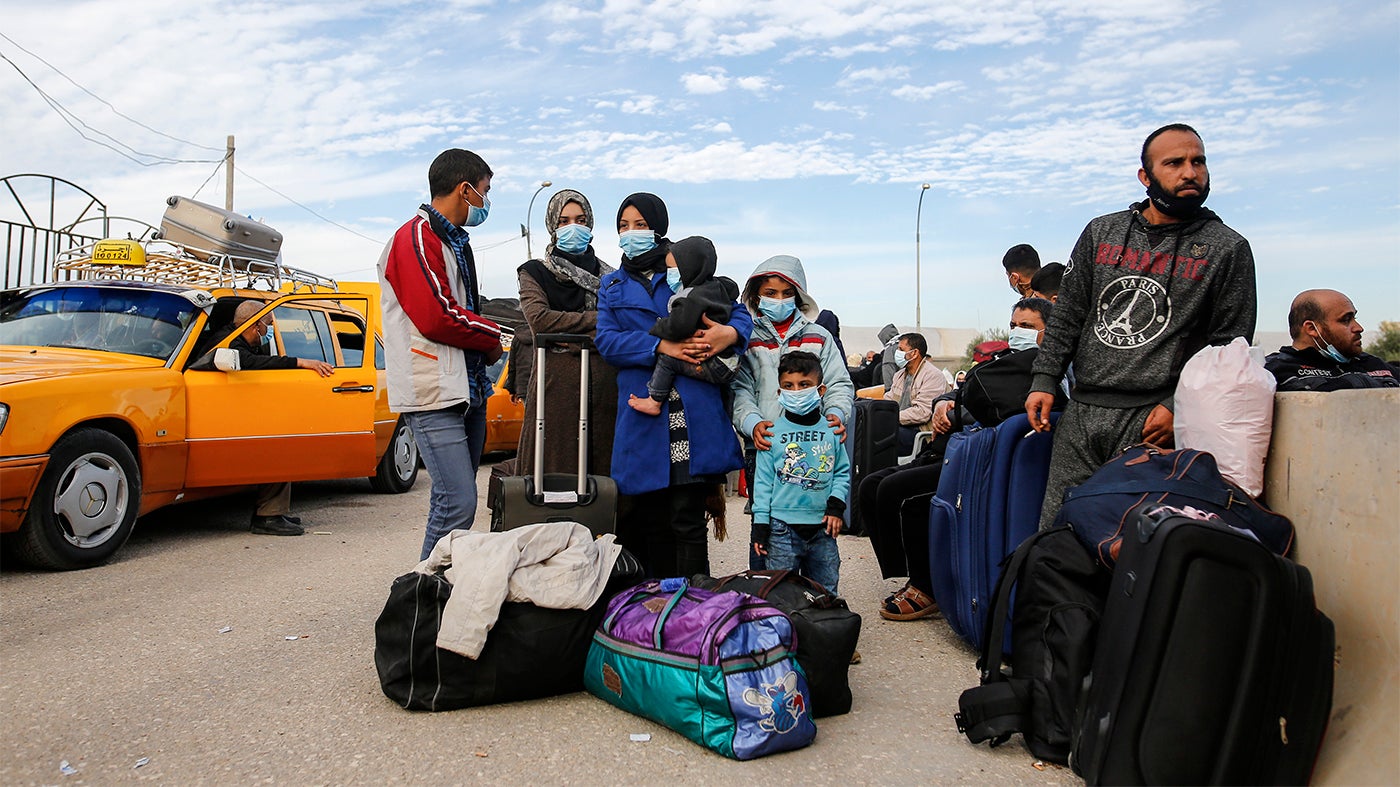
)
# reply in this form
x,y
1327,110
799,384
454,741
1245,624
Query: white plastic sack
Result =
x,y
1225,406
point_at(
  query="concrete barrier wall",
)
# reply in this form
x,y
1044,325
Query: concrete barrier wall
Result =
x,y
1334,469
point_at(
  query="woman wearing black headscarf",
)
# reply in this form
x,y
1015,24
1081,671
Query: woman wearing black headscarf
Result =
x,y
559,294
664,467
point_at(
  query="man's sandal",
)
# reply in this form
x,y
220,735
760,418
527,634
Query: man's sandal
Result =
x,y
909,604
891,597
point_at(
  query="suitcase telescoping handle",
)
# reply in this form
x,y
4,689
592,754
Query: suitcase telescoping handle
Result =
x,y
542,341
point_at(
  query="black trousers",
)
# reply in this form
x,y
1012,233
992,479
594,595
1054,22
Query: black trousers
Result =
x,y
665,530
894,511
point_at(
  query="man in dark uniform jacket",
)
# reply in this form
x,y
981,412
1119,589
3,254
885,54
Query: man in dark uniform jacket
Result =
x,y
1326,351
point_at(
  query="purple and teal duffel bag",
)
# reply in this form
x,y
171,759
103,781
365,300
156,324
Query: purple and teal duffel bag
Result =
x,y
716,667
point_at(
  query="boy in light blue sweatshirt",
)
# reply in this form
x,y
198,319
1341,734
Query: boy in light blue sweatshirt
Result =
x,y
801,482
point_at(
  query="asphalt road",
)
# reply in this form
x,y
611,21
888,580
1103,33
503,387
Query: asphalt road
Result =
x,y
125,663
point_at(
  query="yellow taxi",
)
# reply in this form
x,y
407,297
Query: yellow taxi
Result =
x,y
105,413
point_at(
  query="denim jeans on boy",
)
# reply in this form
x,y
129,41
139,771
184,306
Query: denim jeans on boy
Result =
x,y
815,558
450,442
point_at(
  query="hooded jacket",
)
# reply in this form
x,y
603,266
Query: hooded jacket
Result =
x,y
1138,300
884,374
756,385
702,293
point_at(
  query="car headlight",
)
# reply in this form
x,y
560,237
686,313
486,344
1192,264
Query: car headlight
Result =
x,y
4,416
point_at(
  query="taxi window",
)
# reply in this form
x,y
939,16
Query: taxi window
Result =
x,y
378,354
350,335
303,335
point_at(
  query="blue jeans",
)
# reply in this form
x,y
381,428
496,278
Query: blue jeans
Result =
x,y
815,558
450,442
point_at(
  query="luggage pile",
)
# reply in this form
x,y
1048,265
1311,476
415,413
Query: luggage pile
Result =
x,y
1159,634
725,662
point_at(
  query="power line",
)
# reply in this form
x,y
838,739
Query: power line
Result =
x,y
64,113
376,241
104,101
212,174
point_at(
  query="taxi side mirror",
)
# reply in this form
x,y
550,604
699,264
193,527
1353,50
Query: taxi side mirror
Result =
x,y
226,360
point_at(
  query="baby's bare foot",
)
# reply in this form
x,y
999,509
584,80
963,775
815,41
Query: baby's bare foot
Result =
x,y
644,404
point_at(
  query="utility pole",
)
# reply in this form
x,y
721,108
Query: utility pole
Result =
x,y
228,175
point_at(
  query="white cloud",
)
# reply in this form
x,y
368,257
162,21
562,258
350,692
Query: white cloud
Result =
x,y
875,75
925,92
713,81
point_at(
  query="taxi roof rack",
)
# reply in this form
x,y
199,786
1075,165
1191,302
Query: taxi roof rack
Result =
x,y
168,262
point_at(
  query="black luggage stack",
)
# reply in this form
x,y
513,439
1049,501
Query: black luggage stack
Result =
x,y
590,500
1213,665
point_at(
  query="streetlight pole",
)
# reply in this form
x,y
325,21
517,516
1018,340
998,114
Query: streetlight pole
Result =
x,y
543,185
918,278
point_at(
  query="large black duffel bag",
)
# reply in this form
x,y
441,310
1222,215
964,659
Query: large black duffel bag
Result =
x,y
827,630
531,652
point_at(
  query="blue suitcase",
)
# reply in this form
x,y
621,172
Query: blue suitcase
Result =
x,y
987,503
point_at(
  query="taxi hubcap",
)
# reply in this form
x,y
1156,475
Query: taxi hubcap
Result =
x,y
91,500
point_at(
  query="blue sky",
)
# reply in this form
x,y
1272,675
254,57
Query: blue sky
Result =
x,y
771,127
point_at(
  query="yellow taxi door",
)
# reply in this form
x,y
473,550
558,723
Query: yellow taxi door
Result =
x,y
270,425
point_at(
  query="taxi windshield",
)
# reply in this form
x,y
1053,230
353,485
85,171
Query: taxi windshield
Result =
x,y
111,319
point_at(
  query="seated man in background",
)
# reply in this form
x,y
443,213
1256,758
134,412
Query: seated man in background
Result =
x,y
1326,351
272,517
917,383
893,502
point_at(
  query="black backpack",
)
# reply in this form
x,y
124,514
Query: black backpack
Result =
x,y
1060,593
997,389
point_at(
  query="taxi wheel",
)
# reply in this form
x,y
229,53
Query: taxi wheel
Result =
x,y
398,469
85,504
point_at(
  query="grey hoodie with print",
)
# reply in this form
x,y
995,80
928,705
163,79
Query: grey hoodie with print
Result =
x,y
1138,300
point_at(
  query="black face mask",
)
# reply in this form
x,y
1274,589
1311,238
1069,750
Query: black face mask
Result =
x,y
1172,205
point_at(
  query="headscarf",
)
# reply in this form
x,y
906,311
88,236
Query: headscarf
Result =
x,y
653,210
570,281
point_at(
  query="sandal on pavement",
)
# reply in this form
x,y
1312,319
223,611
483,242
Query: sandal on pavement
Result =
x,y
909,604
891,597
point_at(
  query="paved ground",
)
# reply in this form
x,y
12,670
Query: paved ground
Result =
x,y
106,667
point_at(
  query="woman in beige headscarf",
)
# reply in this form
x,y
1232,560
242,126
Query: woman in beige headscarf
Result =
x,y
559,294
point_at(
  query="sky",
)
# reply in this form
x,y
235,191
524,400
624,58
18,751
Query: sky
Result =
x,y
770,126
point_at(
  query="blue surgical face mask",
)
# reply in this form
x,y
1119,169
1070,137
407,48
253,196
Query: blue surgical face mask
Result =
x,y
800,402
573,238
900,358
673,279
477,215
1328,350
635,243
777,309
1022,338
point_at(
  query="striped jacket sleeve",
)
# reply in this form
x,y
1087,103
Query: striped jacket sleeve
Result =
x,y
417,270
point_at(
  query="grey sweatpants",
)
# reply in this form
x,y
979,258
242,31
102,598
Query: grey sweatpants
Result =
x,y
1086,436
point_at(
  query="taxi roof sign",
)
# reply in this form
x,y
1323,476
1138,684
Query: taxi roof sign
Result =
x,y
119,252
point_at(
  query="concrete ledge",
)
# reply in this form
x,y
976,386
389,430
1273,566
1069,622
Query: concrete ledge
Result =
x,y
1334,469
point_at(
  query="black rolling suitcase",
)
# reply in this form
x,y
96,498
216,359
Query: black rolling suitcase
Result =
x,y
874,445
1213,666
590,500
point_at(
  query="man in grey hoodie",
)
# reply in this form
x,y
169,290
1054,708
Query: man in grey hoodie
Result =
x,y
1145,289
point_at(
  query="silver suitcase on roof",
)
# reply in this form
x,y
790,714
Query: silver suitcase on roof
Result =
x,y
204,228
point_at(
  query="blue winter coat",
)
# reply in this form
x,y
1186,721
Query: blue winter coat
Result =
x,y
641,460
